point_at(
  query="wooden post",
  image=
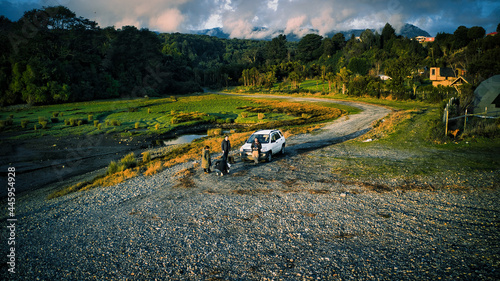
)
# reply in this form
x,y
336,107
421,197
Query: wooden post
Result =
x,y
465,122
446,128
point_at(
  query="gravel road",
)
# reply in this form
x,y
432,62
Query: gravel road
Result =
x,y
285,220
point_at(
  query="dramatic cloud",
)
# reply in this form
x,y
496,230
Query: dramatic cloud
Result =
x,y
240,17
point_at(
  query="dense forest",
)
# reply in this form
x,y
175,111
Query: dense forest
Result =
x,y
53,56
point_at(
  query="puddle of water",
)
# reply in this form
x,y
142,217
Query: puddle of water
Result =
x,y
183,139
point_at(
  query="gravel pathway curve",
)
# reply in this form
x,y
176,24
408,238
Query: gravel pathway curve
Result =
x,y
273,221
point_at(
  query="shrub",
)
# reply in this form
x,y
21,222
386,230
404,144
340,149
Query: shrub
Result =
x,y
66,122
229,120
146,157
137,125
80,122
55,114
54,120
60,114
149,110
44,124
214,132
72,121
24,123
244,114
174,121
128,161
172,112
90,117
41,119
115,122
96,123
106,122
99,126
261,116
157,126
112,168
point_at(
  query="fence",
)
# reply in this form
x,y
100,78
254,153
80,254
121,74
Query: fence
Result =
x,y
479,115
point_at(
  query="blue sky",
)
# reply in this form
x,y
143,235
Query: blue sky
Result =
x,y
238,17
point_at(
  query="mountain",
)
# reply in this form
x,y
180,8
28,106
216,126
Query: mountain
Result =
x,y
408,30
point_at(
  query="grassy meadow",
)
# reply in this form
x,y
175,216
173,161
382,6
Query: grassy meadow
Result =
x,y
131,117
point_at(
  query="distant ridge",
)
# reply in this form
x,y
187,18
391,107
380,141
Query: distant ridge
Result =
x,y
408,30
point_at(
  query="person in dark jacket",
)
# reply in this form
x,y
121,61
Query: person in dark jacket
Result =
x,y
256,147
226,147
221,166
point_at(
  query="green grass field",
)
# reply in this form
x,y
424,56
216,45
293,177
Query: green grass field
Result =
x,y
137,116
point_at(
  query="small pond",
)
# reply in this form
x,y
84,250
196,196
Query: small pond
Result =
x,y
183,139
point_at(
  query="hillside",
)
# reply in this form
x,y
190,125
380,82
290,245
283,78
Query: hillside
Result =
x,y
408,31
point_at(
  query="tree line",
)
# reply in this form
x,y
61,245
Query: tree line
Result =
x,y
50,56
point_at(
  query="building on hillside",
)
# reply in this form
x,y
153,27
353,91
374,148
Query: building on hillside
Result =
x,y
487,97
447,77
423,39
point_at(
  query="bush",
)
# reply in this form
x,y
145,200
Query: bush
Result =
x,y
80,122
54,120
72,121
214,132
66,122
55,114
157,126
149,110
115,122
146,157
244,114
112,168
24,123
41,119
99,126
90,117
261,116
137,125
96,123
128,161
106,122
44,124
229,120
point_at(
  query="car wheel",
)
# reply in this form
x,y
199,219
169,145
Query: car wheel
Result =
x,y
269,156
283,149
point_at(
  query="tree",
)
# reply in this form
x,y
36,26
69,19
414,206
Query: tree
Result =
x,y
388,33
476,32
309,47
276,50
343,77
460,37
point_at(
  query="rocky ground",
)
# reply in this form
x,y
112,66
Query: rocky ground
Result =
x,y
291,219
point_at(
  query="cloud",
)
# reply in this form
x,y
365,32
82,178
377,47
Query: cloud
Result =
x,y
239,17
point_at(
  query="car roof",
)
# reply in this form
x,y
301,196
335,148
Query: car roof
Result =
x,y
265,132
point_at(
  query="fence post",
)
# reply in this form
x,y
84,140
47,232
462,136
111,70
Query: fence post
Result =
x,y
465,122
446,128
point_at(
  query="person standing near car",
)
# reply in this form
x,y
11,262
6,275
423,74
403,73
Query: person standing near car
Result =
x,y
256,147
226,147
206,161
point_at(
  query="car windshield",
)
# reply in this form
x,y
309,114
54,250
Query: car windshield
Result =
x,y
263,138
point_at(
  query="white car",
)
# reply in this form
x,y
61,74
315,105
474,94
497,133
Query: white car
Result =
x,y
272,142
